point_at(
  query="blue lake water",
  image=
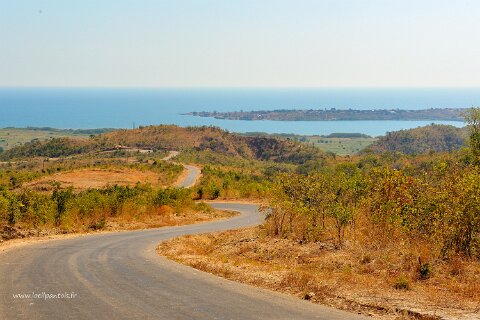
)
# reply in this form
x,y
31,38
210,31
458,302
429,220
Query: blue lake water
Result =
x,y
121,108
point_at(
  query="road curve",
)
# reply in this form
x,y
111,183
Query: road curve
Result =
x,y
192,175
120,276
190,179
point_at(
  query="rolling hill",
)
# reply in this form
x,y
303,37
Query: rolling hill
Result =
x,y
171,137
421,140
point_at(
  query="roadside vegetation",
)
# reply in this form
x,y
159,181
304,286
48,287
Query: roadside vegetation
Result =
x,y
388,234
227,177
107,191
28,213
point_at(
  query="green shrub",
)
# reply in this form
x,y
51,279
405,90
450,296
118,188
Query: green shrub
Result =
x,y
424,271
203,207
175,197
402,283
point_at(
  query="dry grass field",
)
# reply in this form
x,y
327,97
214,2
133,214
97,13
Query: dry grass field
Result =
x,y
13,137
375,283
165,216
341,146
96,178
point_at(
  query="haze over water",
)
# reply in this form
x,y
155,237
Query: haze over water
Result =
x,y
121,108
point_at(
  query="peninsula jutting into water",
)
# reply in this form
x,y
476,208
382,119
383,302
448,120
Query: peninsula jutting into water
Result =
x,y
333,114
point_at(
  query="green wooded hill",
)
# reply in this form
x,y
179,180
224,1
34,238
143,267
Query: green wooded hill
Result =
x,y
420,140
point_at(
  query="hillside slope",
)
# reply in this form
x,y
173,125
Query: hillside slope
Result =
x,y
422,140
171,137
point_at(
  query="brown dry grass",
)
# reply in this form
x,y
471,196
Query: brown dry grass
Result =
x,y
165,216
96,178
351,278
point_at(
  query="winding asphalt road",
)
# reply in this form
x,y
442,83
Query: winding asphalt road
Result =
x,y
191,178
193,172
120,276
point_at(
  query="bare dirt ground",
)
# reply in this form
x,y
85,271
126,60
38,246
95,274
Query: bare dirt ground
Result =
x,y
96,178
321,273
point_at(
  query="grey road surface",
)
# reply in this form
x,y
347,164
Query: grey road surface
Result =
x,y
193,172
120,276
191,178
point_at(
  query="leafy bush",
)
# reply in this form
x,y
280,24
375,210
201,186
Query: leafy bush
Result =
x,y
175,197
203,207
402,283
424,271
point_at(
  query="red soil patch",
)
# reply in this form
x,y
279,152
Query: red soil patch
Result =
x,y
95,178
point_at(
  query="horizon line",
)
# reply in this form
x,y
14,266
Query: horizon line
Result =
x,y
240,87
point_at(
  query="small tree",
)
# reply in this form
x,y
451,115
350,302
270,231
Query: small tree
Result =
x,y
473,120
61,197
342,213
13,209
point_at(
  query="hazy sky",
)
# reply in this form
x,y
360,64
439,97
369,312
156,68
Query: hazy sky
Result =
x,y
267,43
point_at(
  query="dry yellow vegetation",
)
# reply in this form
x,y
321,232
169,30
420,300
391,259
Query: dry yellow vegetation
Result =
x,y
373,282
96,178
165,216
171,137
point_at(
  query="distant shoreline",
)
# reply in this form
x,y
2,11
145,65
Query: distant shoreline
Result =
x,y
333,114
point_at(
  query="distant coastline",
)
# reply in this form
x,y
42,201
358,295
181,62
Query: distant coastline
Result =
x,y
84,108
333,114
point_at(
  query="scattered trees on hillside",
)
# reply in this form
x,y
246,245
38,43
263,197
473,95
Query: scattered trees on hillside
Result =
x,y
55,147
436,138
439,206
305,207
217,182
